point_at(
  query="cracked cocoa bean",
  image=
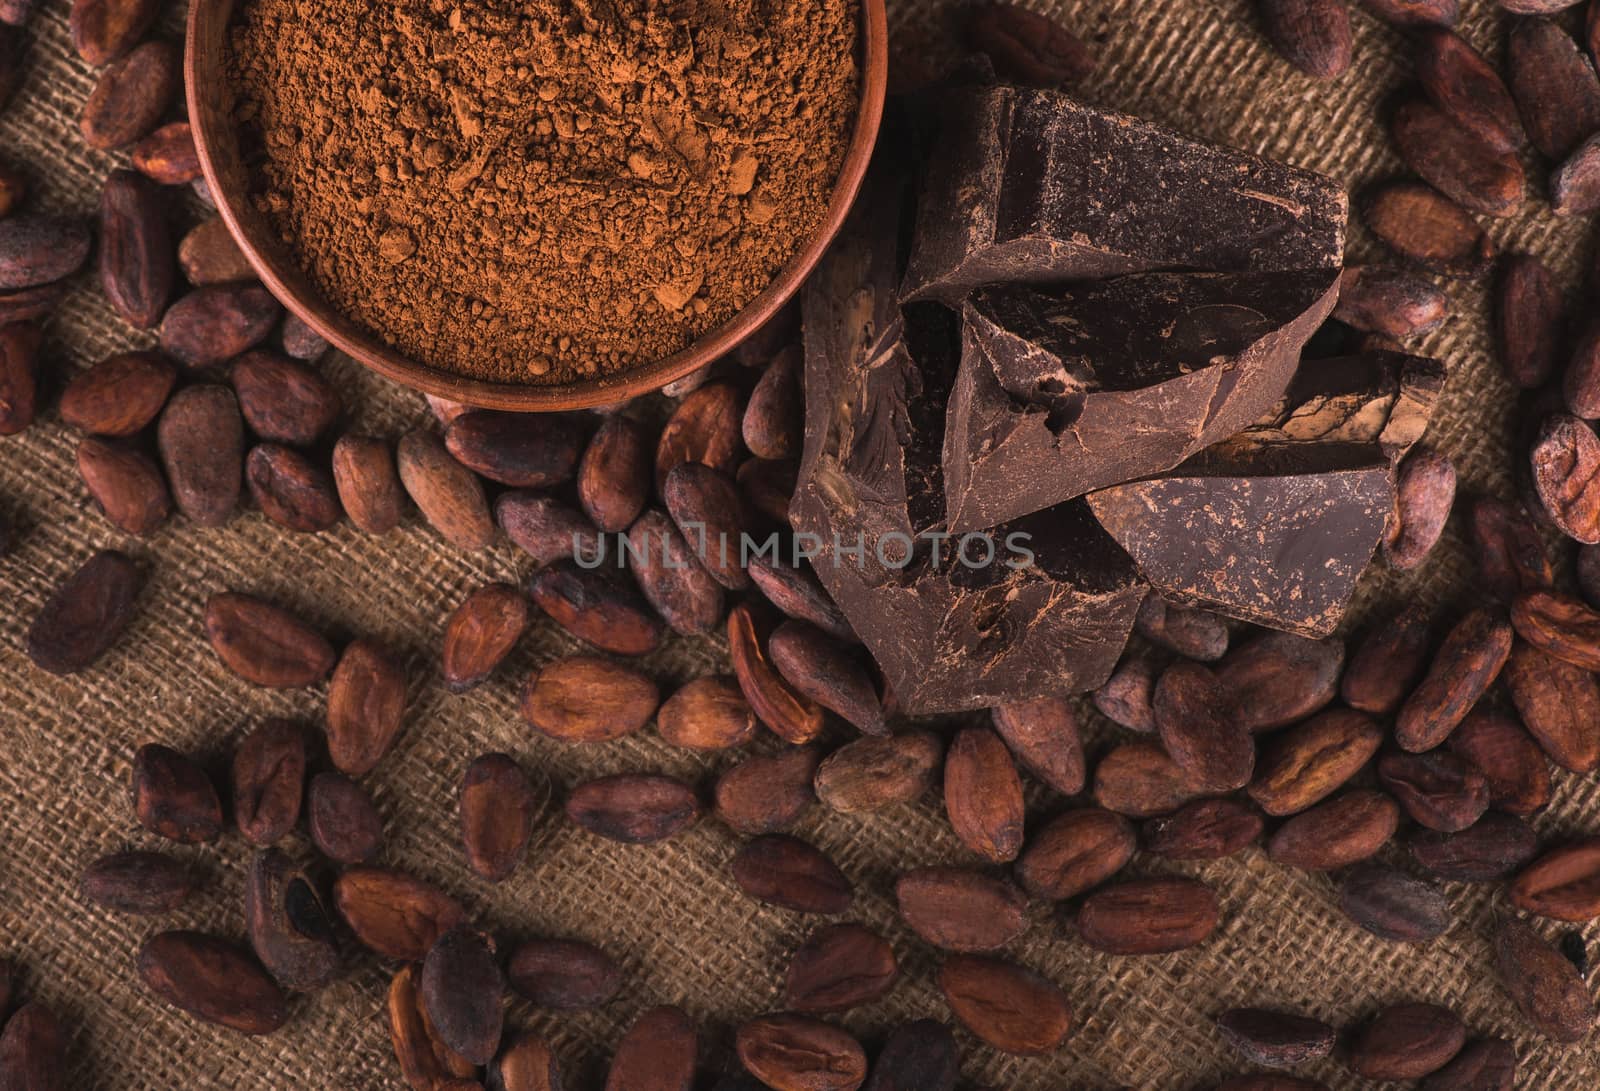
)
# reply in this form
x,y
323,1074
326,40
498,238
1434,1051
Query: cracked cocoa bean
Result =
x,y
290,929
291,490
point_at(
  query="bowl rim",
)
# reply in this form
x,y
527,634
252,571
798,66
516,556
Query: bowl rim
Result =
x,y
295,291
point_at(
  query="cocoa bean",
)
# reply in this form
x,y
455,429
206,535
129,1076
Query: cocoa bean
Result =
x,y
265,644
1559,625
1466,665
125,483
504,448
1575,184
268,780
394,914
791,874
299,340
1428,229
1027,47
173,797
918,1056
1425,491
33,1050
343,821
546,529
1342,831
1453,161
1511,761
671,577
587,699
958,909
527,1064
1195,718
768,793
209,255
1536,7
1489,1064
1277,679
708,713
201,441
870,774
143,883
1510,552
772,420
290,929
614,474
596,607
366,703
213,980
38,249
131,95
28,304
1464,85
1566,463
634,808
1044,737
1004,1005
838,968
1437,789
1074,853
1192,633
137,270
1392,905
1559,703
283,400
709,512
1394,302
705,428
767,486
168,156
449,496
481,632
657,1053
1581,382
825,672
1491,848
1406,1042
217,322
1543,985
790,715
1388,662
86,615
1554,85
103,30
798,1053
1276,1039
290,489
120,395
1562,884
426,1063
367,482
1207,829
1148,916
1312,35
1530,314
798,593
568,975
1126,697
498,805
461,989
983,795
1139,780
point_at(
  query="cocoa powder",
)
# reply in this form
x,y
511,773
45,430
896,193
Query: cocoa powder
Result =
x,y
548,191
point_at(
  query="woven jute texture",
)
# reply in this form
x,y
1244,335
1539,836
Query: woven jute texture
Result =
x,y
670,913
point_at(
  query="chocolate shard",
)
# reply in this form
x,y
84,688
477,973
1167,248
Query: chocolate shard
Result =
x,y
1038,188
1384,398
1064,391
1278,537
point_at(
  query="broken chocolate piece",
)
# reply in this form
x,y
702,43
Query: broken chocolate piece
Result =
x,y
1067,391
1035,187
1278,538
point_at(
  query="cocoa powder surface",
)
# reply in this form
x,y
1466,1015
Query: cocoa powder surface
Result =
x,y
543,190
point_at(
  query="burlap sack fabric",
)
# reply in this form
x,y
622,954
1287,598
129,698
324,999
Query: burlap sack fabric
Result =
x,y
671,913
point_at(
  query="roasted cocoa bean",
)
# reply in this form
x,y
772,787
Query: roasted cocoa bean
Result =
x,y
394,914
265,644
1388,662
366,705
33,1050
709,512
1393,905
1004,1005
86,615
791,874
137,270
1276,1039
208,255
125,483
1581,382
1530,315
527,1064
461,989
1406,1042
1554,85
290,929
772,419
168,156
480,634
201,441
1559,625
143,883
299,340
1428,229
634,808
1139,780
1192,633
130,97
120,395
568,975
503,448
838,968
671,577
983,795
705,428
789,714
827,673
268,779
584,698
1207,829
1312,35
283,400
1566,463
1027,47
870,774
1342,831
498,805
1543,985
1425,492
1492,848
708,713
1196,721
1562,884
798,593
1148,916
1464,85
1044,736
768,793
173,797
1510,552
798,1053
213,980
343,820
218,322
1075,852
546,529
103,30
918,1056
1437,789
1393,302
426,1063
38,249
1466,665
657,1053
1559,703
598,608
958,909
1511,761
28,304
1126,697
1575,184
1455,162
614,474
367,482
1277,679
290,489
1489,1064
448,494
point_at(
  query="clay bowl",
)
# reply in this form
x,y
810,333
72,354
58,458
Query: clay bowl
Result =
x,y
217,140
